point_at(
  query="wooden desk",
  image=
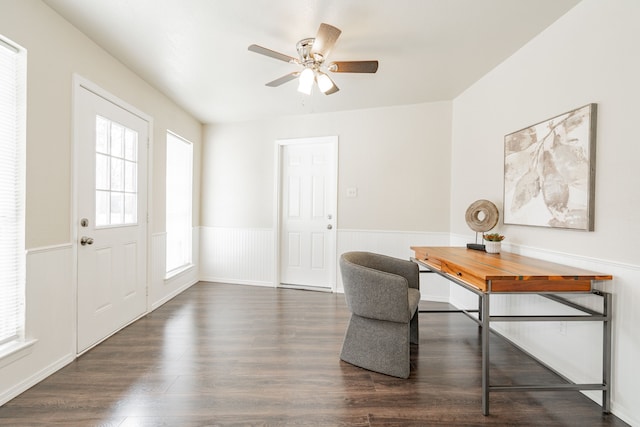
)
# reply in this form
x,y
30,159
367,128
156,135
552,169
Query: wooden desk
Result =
x,y
506,273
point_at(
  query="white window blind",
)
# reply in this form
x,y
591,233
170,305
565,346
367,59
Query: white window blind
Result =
x,y
12,252
179,202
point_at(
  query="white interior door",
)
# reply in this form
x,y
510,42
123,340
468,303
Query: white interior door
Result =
x,y
308,212
111,202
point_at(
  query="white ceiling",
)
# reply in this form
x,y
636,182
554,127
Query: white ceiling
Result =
x,y
195,51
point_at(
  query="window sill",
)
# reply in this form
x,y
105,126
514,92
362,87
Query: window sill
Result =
x,y
14,351
178,271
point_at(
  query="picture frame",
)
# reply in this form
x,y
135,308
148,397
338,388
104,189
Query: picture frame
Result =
x,y
549,172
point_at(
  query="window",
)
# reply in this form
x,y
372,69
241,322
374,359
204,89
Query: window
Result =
x,y
116,173
12,192
179,201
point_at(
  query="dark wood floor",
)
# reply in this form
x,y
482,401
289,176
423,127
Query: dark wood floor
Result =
x,y
220,355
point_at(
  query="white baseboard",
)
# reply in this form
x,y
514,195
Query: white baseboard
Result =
x,y
231,281
434,298
34,379
173,294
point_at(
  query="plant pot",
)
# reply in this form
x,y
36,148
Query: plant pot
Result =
x,y
492,247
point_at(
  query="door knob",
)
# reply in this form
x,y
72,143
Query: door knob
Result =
x,y
84,240
329,227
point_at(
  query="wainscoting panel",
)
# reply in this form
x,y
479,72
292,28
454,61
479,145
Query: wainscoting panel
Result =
x,y
50,320
158,263
240,256
162,288
247,256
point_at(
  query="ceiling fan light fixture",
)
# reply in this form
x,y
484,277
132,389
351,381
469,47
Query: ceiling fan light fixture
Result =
x,y
312,53
324,82
305,81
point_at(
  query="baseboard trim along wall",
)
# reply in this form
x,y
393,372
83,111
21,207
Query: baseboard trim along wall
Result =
x,y
35,378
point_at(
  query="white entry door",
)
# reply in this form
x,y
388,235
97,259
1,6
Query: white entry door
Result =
x,y
111,199
308,212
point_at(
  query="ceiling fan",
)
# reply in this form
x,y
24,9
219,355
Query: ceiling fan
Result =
x,y
312,53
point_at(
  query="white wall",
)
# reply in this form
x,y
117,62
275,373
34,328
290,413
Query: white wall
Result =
x,y
398,158
56,50
585,57
589,55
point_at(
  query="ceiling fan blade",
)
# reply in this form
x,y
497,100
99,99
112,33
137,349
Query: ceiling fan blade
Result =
x,y
354,66
325,39
272,53
283,79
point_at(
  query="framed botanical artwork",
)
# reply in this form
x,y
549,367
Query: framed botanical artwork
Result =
x,y
549,172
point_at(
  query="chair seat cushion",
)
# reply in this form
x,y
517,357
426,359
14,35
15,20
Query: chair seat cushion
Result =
x,y
414,300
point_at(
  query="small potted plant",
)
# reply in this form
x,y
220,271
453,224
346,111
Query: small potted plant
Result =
x,y
493,242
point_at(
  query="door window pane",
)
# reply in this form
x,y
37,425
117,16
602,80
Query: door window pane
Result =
x,y
117,208
116,174
130,145
117,140
103,172
130,176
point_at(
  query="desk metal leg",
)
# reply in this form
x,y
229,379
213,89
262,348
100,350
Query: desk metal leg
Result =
x,y
606,353
485,353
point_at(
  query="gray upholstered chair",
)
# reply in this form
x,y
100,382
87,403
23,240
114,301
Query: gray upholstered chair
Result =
x,y
383,295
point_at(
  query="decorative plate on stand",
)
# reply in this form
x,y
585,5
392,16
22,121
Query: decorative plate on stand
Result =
x,y
481,216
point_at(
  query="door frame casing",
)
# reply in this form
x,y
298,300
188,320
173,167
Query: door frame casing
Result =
x,y
280,145
80,83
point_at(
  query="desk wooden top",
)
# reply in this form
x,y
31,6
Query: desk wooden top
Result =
x,y
506,272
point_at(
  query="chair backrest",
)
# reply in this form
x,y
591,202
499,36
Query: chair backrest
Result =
x,y
373,286
407,269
